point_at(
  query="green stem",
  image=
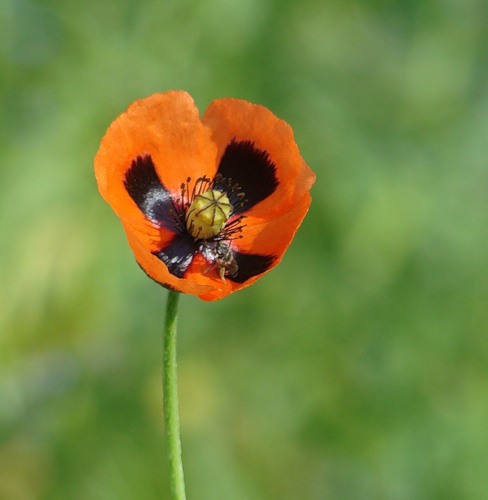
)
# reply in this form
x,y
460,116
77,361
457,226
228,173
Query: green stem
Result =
x,y
170,399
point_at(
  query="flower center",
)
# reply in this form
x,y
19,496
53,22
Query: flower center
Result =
x,y
207,214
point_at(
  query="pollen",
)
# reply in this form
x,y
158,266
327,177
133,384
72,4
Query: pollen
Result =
x,y
207,214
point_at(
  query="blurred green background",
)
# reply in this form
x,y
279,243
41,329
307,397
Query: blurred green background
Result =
x,y
358,369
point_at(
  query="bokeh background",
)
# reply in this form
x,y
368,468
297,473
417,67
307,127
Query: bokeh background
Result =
x,y
358,369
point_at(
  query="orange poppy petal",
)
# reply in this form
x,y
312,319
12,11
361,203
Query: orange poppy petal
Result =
x,y
272,237
168,128
260,237
157,270
237,120
203,274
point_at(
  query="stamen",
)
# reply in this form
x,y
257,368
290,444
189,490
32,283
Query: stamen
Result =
x,y
205,207
232,229
232,189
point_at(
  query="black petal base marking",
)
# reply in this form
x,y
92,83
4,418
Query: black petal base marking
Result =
x,y
178,255
149,194
250,265
249,167
243,169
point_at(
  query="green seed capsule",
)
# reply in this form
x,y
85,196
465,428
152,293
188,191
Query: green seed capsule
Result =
x,y
207,214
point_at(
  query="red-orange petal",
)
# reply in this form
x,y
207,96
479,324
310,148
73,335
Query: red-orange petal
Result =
x,y
237,119
157,270
167,127
260,237
265,236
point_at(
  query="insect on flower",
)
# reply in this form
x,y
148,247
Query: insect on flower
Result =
x,y
209,204
220,254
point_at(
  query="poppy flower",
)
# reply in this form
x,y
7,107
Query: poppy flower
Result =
x,y
209,204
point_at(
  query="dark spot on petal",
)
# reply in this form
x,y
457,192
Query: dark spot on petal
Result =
x,y
149,194
178,254
250,265
252,169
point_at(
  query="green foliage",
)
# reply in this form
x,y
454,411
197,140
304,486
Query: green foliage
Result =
x,y
358,368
